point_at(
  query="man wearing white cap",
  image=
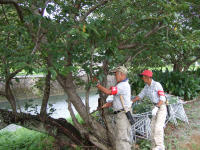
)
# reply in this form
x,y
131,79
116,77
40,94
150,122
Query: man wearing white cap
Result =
x,y
155,92
123,126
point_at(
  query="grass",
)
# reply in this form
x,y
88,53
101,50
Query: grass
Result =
x,y
80,120
23,139
78,117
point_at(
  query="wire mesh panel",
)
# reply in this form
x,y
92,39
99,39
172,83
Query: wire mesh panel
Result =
x,y
141,127
176,111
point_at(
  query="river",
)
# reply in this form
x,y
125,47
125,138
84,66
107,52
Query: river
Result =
x,y
58,103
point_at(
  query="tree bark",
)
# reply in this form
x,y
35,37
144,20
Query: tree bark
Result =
x,y
46,94
177,67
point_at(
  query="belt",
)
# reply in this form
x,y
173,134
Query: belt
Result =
x,y
157,103
118,111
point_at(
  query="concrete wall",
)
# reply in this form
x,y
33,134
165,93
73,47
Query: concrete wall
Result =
x,y
27,88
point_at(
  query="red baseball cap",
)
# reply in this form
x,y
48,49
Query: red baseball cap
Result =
x,y
146,73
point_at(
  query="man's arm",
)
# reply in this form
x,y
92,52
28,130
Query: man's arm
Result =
x,y
101,88
104,90
135,99
160,103
107,105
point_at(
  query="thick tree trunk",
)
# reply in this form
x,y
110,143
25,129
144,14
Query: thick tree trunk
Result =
x,y
99,135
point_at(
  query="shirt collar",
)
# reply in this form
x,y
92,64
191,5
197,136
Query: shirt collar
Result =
x,y
152,82
124,80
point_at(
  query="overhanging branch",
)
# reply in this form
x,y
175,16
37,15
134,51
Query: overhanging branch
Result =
x,y
133,45
91,10
14,2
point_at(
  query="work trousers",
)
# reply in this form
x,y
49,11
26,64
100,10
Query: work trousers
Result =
x,y
157,126
122,130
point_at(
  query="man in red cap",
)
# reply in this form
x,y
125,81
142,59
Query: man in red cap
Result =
x,y
155,92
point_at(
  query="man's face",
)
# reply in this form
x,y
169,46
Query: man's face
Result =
x,y
145,79
118,77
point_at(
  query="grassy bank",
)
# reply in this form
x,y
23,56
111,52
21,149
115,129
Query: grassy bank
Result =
x,y
24,139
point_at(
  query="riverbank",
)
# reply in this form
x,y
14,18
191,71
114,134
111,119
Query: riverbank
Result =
x,y
32,87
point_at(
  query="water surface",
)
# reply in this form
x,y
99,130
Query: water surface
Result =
x,y
58,103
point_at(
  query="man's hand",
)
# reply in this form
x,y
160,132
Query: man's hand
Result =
x,y
94,80
154,111
107,105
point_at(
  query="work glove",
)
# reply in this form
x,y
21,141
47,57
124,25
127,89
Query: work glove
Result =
x,y
154,111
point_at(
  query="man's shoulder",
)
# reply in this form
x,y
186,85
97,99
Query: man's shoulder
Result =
x,y
157,83
126,83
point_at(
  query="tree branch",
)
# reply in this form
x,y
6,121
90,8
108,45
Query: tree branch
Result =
x,y
133,45
92,9
126,26
75,121
10,77
7,23
46,95
14,2
3,93
194,60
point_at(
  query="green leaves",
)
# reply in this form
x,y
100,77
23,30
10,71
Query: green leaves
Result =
x,y
10,28
50,8
85,35
20,65
29,18
36,70
53,72
165,21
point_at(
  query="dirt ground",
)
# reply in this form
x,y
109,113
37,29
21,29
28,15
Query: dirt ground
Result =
x,y
185,136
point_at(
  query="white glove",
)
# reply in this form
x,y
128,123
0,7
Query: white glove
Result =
x,y
154,111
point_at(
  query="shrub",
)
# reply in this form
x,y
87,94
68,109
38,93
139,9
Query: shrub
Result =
x,y
185,84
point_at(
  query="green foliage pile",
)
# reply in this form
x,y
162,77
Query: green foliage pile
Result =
x,y
23,139
183,84
142,107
